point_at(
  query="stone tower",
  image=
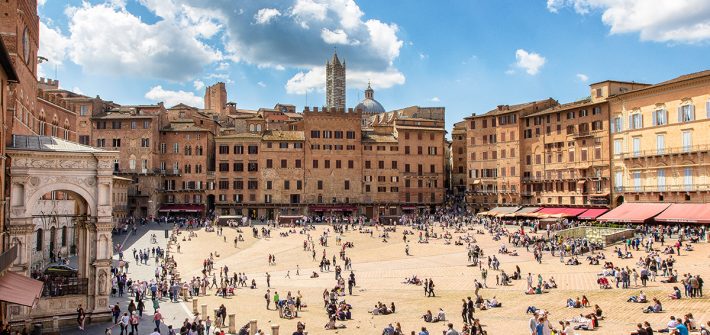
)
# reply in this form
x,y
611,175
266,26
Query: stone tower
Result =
x,y
216,98
335,83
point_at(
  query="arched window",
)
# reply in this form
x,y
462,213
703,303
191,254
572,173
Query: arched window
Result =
x,y
258,127
251,127
39,240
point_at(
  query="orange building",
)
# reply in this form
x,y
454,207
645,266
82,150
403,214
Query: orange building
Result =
x,y
494,154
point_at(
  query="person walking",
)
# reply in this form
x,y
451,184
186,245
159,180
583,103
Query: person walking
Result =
x,y
134,323
80,317
268,299
124,322
157,318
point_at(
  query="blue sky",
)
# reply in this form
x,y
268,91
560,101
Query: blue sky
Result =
x,y
467,56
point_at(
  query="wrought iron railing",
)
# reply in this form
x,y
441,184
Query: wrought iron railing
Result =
x,y
663,188
8,257
687,149
60,286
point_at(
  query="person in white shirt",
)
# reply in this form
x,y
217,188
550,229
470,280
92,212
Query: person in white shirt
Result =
x,y
568,330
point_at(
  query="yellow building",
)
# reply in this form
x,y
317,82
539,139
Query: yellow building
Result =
x,y
660,141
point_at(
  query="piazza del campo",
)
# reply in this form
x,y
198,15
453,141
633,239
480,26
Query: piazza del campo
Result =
x,y
187,213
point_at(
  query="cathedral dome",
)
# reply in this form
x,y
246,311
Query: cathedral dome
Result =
x,y
369,105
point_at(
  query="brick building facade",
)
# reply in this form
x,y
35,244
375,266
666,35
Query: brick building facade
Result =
x,y
494,154
331,165
625,142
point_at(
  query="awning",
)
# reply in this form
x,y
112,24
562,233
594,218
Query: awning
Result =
x,y
691,213
332,208
527,210
502,210
561,211
633,212
409,207
592,214
177,208
18,289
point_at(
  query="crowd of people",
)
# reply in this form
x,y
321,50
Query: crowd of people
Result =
x,y
656,264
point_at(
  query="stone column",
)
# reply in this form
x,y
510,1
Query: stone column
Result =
x,y
204,311
232,324
252,327
194,306
274,329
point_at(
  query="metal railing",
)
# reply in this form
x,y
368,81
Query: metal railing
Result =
x,y
688,149
61,286
564,176
8,257
663,188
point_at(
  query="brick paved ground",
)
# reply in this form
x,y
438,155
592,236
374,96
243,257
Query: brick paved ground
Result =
x,y
380,268
174,313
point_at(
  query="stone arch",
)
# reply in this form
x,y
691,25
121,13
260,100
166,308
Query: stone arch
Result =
x,y
75,189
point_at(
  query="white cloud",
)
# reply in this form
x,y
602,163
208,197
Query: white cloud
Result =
x,y
683,21
510,72
383,39
582,77
435,99
334,37
261,83
529,61
423,56
41,3
77,90
314,80
172,98
192,36
304,82
305,11
54,45
265,15
109,39
198,84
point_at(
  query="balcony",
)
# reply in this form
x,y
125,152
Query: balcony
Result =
x,y
581,134
61,286
483,192
664,151
663,188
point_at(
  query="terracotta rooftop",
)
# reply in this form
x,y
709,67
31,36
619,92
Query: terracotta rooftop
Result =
x,y
570,105
504,109
123,116
255,136
48,143
379,138
678,79
182,125
294,115
284,135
